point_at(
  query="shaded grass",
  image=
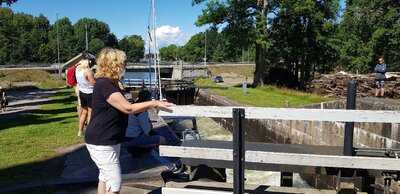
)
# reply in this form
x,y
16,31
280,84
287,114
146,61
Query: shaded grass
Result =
x,y
32,137
40,78
267,96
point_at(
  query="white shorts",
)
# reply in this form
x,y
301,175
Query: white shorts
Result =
x,y
107,160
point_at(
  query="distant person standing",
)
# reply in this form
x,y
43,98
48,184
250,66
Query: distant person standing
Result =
x,y
380,71
85,82
71,82
3,99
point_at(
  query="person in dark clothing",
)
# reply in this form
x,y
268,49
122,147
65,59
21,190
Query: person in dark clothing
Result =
x,y
106,129
3,100
140,132
380,71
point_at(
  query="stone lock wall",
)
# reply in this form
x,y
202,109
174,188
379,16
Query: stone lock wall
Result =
x,y
376,135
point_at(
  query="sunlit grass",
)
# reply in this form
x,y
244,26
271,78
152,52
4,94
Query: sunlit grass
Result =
x,y
32,137
267,96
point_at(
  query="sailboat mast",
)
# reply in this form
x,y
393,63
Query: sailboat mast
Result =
x,y
157,53
155,50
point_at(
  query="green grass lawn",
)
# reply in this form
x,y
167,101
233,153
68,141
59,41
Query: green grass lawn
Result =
x,y
267,96
29,139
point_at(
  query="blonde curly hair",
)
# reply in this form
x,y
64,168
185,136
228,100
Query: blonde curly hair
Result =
x,y
110,63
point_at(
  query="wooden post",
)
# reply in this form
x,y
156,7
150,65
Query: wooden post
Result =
x,y
238,151
348,149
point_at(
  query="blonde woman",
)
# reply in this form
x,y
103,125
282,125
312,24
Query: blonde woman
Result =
x,y
106,130
85,82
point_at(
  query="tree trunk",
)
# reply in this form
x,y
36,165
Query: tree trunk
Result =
x,y
261,29
260,67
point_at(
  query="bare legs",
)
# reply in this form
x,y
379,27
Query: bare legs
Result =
x,y
82,119
101,189
379,92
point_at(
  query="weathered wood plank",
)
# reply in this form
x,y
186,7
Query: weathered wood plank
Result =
x,y
284,158
287,114
166,190
249,188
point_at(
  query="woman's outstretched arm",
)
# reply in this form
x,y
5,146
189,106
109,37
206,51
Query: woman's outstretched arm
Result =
x,y
119,102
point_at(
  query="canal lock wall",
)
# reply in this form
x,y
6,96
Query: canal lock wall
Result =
x,y
372,135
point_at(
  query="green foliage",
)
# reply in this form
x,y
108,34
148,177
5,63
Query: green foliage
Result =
x,y
8,2
301,35
25,38
370,29
133,47
66,40
219,48
294,36
98,34
170,53
95,45
193,50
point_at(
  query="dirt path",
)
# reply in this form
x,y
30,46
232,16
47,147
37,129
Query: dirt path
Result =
x,y
23,101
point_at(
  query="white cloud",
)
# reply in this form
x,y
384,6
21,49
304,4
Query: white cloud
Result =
x,y
167,35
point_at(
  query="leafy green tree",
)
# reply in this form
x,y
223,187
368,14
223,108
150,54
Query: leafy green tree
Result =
x,y
241,21
95,29
193,50
112,40
170,53
39,39
7,36
95,45
8,2
22,47
370,29
291,37
302,36
66,40
133,47
25,38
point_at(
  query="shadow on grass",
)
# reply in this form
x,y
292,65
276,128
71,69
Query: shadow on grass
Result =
x,y
23,175
40,177
70,172
67,100
57,106
32,118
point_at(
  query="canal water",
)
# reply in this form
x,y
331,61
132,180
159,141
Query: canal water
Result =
x,y
140,75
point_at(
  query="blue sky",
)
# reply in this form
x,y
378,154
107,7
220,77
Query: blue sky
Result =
x,y
125,17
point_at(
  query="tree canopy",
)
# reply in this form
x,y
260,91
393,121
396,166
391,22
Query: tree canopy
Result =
x,y
370,29
8,2
292,38
133,47
25,38
289,40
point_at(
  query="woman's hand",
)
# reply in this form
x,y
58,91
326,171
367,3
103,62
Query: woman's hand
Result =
x,y
163,105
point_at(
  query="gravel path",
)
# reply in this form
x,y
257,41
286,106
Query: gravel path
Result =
x,y
26,100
